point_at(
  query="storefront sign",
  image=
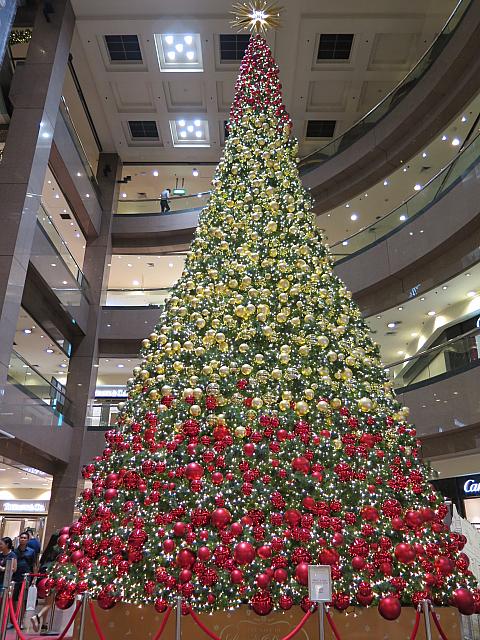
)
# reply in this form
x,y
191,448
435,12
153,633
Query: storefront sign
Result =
x,y
471,486
24,506
110,392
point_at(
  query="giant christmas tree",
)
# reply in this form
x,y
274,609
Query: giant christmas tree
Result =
x,y
260,434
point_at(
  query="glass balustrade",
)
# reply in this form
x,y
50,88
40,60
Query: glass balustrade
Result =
x,y
136,297
178,204
373,117
435,189
447,358
30,381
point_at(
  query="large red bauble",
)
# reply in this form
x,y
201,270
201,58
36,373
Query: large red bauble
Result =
x,y
249,449
358,562
364,599
389,608
110,494
292,517
169,545
244,553
262,603
370,514
76,556
203,553
464,601
329,556
414,519
337,539
301,573
263,580
301,464
236,529
179,529
264,552
105,599
193,471
444,565
285,602
64,600
42,590
221,517
63,539
405,553
397,523
280,575
160,605
112,480
185,575
236,576
185,558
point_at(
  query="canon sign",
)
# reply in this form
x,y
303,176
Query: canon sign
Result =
x,y
471,486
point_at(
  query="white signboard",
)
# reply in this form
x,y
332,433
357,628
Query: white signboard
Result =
x,y
24,506
320,582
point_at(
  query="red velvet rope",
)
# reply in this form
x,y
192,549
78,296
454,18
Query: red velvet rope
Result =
x,y
164,623
437,624
332,626
20,599
209,633
95,620
19,631
416,625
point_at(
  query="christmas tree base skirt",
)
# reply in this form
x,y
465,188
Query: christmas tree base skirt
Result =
x,y
128,622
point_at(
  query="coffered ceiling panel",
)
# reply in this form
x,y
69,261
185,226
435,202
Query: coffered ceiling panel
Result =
x,y
393,50
327,95
133,96
186,94
371,93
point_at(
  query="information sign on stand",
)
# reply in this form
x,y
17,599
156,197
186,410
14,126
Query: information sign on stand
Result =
x,y
320,582
320,591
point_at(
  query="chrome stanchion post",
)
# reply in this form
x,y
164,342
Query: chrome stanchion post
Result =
x,y
178,626
426,613
22,605
83,614
321,620
7,578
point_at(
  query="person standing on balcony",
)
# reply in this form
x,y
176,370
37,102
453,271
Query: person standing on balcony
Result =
x,y
165,195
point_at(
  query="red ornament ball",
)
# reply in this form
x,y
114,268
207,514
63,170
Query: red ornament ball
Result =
x,y
262,603
193,471
389,608
160,605
64,600
285,602
244,553
301,573
236,576
405,553
464,601
301,464
185,558
220,518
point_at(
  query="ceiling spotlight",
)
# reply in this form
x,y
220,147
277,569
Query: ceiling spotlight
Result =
x,y
444,137
385,183
124,195
190,55
63,365
195,173
400,353
354,216
400,308
155,172
403,217
179,47
53,264
197,123
444,287
432,313
190,128
170,264
79,175
198,134
64,282
414,334
347,206
135,283
120,366
424,154
471,294
391,325
188,39
455,142
171,55
183,134
27,331
181,123
417,187
464,119
49,350
345,243
169,39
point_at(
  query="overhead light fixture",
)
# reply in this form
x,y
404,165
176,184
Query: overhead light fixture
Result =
x,y
198,134
354,217
391,325
345,243
171,55
179,47
190,55
464,119
27,331
455,142
347,205
417,187
471,294
403,217
155,173
120,366
444,137
400,308
385,183
424,154
188,39
63,365
64,282
414,334
49,350
444,287
195,173
197,122
179,52
135,283
124,195
169,39
170,264
432,313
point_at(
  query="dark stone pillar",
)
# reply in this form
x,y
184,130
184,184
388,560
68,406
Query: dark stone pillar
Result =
x,y
82,375
35,94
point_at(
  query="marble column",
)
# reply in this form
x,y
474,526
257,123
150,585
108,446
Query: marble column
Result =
x,y
35,94
82,375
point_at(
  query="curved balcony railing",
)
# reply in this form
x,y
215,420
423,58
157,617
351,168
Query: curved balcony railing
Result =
x,y
34,384
420,202
449,358
136,297
391,100
47,224
177,204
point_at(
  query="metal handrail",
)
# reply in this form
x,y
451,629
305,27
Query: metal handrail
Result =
x,y
458,12
447,168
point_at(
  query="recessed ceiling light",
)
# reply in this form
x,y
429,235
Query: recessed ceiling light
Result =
x,y
471,294
378,317
190,55
135,283
424,154
403,217
417,187
455,142
87,195
181,123
171,55
57,196
464,119
195,173
197,122
444,137
391,325
183,134
385,183
347,206
444,287
400,308
27,331
49,181
354,216
170,264
422,298
120,366
400,353
124,195
129,264
432,313
198,134
63,365
64,282
345,243
179,47
405,169
49,350
155,173
188,39
169,39
190,128
414,334
467,274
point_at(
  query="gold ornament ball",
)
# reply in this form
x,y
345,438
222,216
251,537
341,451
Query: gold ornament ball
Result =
x,y
240,432
335,403
322,405
195,410
301,408
364,404
146,343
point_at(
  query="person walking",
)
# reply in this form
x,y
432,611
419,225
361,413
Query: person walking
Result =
x,y
25,564
165,195
33,541
6,553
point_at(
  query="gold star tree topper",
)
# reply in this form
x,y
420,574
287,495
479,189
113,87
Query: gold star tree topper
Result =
x,y
257,16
